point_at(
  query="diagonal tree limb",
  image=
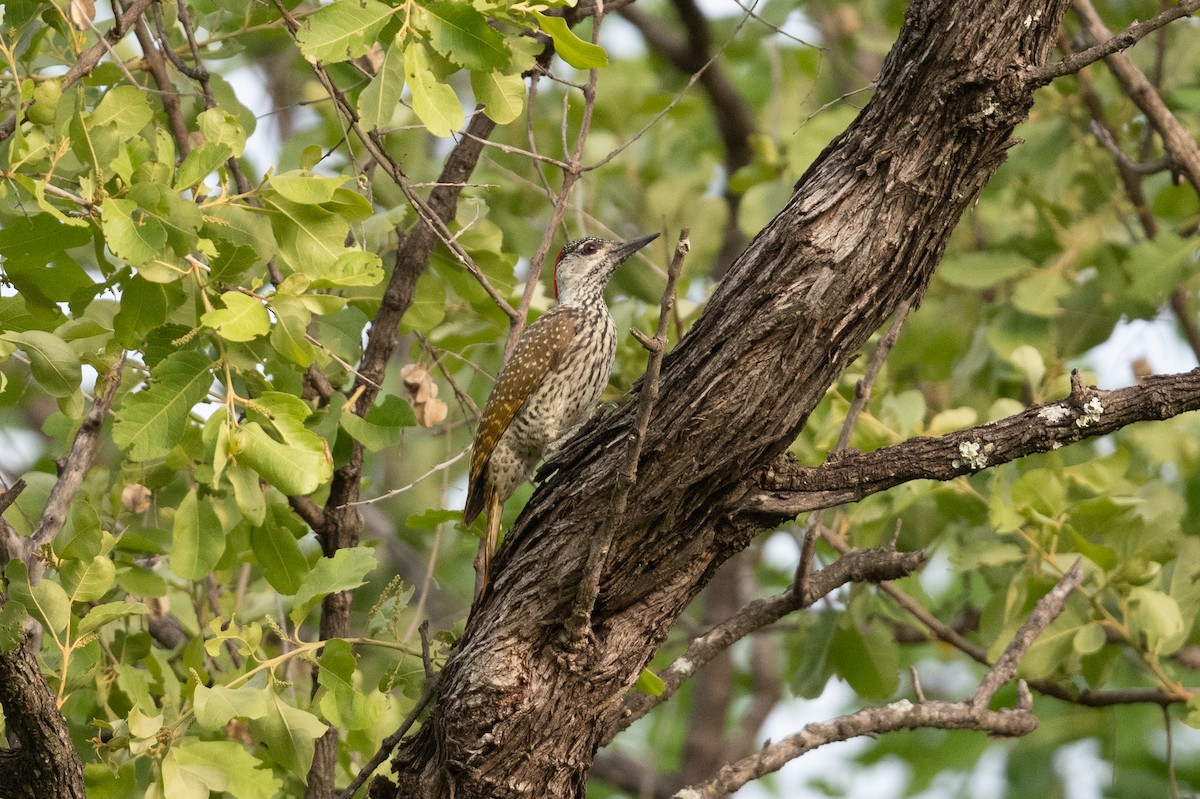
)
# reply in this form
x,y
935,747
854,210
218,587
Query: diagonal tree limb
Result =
x,y
786,489
972,714
1108,44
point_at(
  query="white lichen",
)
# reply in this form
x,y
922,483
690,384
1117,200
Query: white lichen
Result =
x,y
971,453
687,793
903,705
1091,413
1054,413
684,667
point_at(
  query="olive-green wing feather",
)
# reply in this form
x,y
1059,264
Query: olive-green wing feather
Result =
x,y
538,353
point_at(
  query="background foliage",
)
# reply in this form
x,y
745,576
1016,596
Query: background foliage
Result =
x,y
181,601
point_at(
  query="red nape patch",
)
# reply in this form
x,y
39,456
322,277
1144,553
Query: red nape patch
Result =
x,y
557,261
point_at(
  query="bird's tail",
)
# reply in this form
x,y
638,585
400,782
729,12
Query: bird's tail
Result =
x,y
484,575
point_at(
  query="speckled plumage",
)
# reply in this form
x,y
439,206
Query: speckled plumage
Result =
x,y
551,382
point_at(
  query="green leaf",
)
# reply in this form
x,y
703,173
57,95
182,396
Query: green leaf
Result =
x,y
293,470
197,539
217,706
222,128
150,422
201,162
243,239
1088,639
338,700
143,308
12,625
377,103
352,268
502,96
979,270
125,108
36,259
868,659
344,571
288,334
310,237
342,30
109,612
244,318
383,426
88,581
1156,615
248,493
305,189
289,733
1041,491
130,232
54,364
193,769
435,103
47,601
569,47
278,552
649,683
462,34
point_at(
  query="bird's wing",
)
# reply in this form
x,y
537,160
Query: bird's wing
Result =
x,y
538,353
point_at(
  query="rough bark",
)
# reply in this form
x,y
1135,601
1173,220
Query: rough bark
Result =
x,y
520,714
40,761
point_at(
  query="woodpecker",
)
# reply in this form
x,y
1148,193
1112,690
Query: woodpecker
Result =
x,y
549,384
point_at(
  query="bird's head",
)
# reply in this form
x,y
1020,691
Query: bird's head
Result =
x,y
584,266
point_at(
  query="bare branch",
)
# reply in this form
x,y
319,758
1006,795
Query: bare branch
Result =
x,y
77,462
860,565
904,715
90,57
579,623
786,489
1111,44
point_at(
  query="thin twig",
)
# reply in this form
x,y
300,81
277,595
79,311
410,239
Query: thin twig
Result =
x,y
392,741
1123,40
579,623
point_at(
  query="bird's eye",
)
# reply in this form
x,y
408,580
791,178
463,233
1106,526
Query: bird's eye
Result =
x,y
590,248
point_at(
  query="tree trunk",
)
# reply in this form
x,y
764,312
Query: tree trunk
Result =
x,y
521,712
40,761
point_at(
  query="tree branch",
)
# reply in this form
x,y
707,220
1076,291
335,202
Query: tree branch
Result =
x,y
972,714
1108,44
90,57
786,489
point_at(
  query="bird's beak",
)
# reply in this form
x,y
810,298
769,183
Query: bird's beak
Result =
x,y
628,248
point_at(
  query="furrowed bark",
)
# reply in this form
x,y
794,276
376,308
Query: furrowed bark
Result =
x,y
519,714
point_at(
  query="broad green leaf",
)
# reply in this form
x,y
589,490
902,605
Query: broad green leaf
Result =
x,y
352,268
180,218
310,237
339,701
222,128
291,469
54,364
288,334
244,318
243,239
288,733
342,30
377,103
125,108
130,232
502,96
201,162
569,47
12,625
47,601
649,683
462,34
306,189
383,426
979,270
1039,293
435,103
247,492
36,259
345,570
217,706
1031,364
868,659
1089,638
109,612
88,581
1041,491
143,308
197,539
150,422
192,769
1156,616
278,552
